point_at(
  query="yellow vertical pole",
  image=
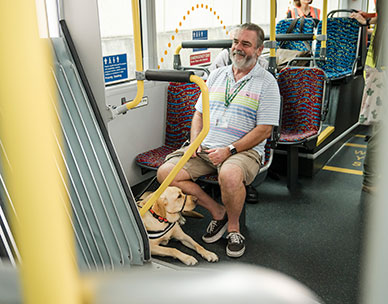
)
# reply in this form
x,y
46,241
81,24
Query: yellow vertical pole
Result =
x,y
324,28
138,53
272,38
28,127
272,33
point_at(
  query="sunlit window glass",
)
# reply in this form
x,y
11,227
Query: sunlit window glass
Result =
x,y
117,40
178,21
261,10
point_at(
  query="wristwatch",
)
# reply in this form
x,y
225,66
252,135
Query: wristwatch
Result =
x,y
367,21
232,149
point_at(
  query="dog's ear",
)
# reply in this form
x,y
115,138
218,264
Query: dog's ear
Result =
x,y
144,198
160,207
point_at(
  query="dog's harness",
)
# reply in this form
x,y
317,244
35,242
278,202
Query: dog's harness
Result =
x,y
159,233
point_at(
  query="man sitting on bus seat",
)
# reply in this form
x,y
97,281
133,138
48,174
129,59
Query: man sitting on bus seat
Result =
x,y
223,59
244,106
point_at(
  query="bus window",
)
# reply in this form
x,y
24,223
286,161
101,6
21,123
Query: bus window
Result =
x,y
117,40
261,16
47,14
371,6
178,21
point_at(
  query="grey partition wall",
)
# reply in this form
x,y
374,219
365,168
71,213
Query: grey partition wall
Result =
x,y
108,229
108,233
8,249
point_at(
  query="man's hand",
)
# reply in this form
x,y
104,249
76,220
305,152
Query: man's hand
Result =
x,y
195,154
218,155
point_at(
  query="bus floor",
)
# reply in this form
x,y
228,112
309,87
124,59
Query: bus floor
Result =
x,y
314,235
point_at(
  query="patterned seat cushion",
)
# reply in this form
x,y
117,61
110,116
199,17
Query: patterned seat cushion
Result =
x,y
153,159
342,45
300,136
181,99
308,28
302,93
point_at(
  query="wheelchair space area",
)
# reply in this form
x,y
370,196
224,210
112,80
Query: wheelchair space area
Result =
x,y
314,235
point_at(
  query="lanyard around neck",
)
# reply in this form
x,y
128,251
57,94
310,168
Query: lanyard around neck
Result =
x,y
229,97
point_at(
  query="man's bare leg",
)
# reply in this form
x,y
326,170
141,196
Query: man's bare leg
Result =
x,y
232,193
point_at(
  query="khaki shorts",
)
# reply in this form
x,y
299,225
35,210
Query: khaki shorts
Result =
x,y
249,161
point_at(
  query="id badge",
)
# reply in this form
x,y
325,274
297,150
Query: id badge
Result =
x,y
222,122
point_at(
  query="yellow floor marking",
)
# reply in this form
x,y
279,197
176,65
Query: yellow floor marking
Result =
x,y
325,134
355,145
360,135
342,170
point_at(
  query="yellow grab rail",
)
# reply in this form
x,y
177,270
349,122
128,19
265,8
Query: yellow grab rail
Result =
x,y
29,136
178,49
193,146
138,54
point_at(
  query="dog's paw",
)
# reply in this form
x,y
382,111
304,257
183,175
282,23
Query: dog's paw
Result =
x,y
210,256
189,260
181,220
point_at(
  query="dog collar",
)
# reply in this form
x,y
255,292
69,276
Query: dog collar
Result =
x,y
158,217
163,219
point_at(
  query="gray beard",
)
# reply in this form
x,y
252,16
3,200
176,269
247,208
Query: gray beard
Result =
x,y
243,63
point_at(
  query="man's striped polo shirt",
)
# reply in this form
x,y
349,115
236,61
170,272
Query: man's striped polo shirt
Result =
x,y
257,103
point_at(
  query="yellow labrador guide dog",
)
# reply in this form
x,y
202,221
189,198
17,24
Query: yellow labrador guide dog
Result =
x,y
163,221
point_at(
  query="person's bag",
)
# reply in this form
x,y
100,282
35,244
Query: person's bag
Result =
x,y
284,56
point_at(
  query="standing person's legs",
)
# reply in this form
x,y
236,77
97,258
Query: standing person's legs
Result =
x,y
370,167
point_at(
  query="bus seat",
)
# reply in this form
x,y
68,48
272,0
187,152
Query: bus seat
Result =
x,y
302,93
302,90
181,99
343,41
283,27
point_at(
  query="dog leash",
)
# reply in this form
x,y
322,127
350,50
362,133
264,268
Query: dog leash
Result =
x,y
184,203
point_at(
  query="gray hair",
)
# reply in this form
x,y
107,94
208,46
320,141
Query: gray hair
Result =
x,y
254,27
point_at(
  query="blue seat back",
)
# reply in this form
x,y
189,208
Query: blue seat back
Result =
x,y
308,28
343,35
